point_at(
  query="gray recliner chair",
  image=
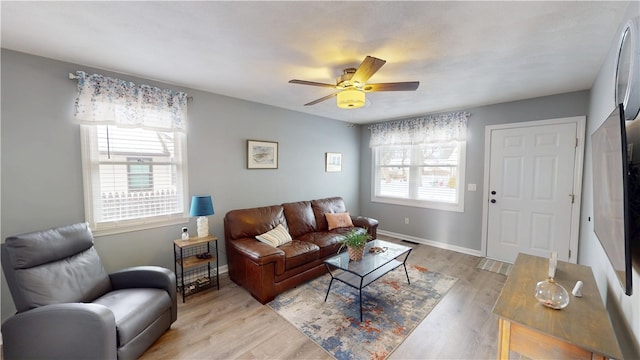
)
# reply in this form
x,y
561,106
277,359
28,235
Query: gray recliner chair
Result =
x,y
68,307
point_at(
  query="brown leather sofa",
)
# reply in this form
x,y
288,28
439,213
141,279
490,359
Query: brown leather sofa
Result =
x,y
265,270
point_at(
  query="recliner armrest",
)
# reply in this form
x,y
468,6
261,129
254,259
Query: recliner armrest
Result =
x,y
61,331
148,277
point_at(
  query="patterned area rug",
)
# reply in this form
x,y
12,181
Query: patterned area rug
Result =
x,y
391,308
494,266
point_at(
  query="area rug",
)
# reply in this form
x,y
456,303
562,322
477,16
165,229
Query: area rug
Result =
x,y
392,308
494,266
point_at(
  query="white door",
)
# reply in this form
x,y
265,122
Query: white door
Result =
x,y
531,187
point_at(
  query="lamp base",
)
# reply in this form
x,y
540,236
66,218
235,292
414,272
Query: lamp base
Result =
x,y
203,226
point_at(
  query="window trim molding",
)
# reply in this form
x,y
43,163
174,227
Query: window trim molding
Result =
x,y
125,226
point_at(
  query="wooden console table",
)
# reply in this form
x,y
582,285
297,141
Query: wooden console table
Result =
x,y
582,330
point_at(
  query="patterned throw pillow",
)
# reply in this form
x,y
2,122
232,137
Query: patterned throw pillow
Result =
x,y
275,237
338,220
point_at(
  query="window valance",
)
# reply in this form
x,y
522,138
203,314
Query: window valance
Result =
x,y
108,101
420,130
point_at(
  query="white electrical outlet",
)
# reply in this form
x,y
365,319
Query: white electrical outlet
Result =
x,y
406,221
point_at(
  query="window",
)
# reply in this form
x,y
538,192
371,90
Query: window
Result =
x,y
416,164
134,167
133,175
419,175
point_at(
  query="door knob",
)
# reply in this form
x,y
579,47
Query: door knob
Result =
x,y
493,201
493,192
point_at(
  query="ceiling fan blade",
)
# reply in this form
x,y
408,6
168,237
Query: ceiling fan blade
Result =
x,y
321,99
368,67
396,86
313,83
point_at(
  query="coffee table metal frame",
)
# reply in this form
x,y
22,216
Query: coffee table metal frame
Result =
x,y
373,266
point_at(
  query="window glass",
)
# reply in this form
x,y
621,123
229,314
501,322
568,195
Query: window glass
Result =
x,y
140,174
426,175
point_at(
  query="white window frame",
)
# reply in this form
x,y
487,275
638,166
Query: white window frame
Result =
x,y
460,183
91,180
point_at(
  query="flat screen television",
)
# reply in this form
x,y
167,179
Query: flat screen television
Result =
x,y
615,195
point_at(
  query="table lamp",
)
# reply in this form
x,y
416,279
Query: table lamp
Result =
x,y
201,206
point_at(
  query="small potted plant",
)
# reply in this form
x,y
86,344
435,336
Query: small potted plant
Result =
x,y
355,240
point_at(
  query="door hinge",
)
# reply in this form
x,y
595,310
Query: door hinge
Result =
x,y
577,141
572,197
569,253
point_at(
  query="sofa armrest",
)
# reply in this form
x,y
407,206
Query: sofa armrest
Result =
x,y
61,331
148,277
260,253
367,223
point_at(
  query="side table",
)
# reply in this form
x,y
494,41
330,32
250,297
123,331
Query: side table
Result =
x,y
582,330
194,259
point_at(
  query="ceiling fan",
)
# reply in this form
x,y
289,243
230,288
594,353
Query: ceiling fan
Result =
x,y
352,84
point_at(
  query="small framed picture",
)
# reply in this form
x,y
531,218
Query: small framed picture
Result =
x,y
262,154
333,162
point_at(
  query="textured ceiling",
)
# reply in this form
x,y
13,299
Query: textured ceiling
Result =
x,y
464,54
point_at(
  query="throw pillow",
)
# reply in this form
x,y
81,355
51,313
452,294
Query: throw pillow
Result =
x,y
275,237
338,220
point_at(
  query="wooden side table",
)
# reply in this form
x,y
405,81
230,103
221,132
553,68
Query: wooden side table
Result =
x,y
582,330
194,258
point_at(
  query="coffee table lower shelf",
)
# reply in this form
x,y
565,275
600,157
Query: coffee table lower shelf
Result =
x,y
361,279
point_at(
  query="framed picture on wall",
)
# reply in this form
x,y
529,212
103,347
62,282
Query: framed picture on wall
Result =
x,y
333,162
262,154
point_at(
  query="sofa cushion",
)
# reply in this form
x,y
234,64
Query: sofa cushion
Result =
x,y
328,242
323,206
135,309
275,237
338,220
344,231
247,223
299,253
300,218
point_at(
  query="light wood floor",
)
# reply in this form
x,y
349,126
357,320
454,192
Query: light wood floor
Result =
x,y
230,324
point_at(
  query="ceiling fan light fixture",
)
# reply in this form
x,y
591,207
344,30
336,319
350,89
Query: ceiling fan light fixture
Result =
x,y
351,99
352,85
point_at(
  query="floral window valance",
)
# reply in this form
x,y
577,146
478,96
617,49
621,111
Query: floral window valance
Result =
x,y
107,101
421,130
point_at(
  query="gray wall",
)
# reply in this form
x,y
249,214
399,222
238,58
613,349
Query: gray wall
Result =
x,y
463,231
42,170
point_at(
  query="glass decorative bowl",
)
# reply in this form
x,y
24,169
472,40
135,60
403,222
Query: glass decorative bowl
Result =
x,y
551,294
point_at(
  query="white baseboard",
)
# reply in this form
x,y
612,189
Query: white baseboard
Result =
x,y
223,269
437,244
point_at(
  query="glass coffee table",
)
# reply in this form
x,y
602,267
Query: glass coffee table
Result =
x,y
373,266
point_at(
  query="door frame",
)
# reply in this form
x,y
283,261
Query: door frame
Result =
x,y
580,122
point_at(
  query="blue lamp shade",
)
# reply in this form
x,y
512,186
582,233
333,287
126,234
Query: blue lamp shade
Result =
x,y
201,206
